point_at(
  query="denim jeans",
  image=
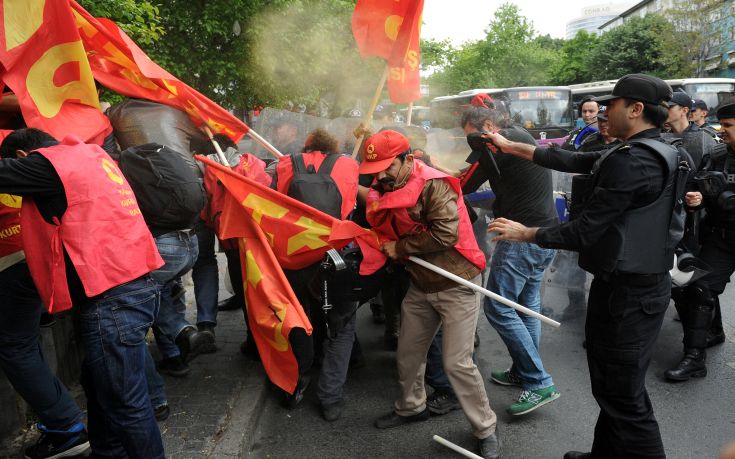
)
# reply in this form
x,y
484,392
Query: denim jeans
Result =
x,y
434,374
516,273
205,275
178,250
156,387
337,352
113,328
20,353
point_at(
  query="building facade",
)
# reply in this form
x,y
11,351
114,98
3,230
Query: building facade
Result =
x,y
593,17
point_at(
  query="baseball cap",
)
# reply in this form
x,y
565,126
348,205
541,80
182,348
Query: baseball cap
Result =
x,y
700,104
681,99
602,113
381,149
640,87
726,111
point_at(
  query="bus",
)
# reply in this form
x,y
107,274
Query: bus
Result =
x,y
714,91
545,111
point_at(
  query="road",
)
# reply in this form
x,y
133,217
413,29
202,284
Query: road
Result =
x,y
697,418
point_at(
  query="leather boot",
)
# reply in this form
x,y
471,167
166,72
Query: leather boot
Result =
x,y
691,366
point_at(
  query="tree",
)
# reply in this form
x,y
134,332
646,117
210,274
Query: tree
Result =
x,y
139,19
697,26
573,65
641,45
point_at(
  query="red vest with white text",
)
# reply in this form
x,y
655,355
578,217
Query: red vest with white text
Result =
x,y
388,213
10,239
102,230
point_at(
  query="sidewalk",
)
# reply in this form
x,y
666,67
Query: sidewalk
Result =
x,y
213,409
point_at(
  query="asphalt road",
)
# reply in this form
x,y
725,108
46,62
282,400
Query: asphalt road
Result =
x,y
697,417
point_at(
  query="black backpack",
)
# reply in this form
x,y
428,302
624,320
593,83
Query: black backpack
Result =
x,y
168,191
316,187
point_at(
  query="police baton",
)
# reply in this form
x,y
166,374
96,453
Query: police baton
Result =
x,y
484,291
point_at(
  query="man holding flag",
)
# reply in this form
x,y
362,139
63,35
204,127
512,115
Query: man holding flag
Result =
x,y
419,211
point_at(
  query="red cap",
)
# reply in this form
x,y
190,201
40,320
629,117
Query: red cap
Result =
x,y
381,149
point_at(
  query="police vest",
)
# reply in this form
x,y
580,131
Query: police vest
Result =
x,y
721,159
643,239
388,213
102,230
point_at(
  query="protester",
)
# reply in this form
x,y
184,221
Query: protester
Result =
x,y
420,212
75,202
630,194
21,357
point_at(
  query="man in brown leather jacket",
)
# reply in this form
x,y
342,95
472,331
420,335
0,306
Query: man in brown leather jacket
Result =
x,y
418,211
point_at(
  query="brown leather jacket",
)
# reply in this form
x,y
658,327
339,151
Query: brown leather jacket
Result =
x,y
437,209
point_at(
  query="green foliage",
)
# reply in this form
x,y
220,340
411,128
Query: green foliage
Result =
x,y
138,18
641,45
573,66
696,26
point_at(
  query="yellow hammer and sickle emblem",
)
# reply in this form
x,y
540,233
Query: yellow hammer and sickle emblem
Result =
x,y
9,200
113,173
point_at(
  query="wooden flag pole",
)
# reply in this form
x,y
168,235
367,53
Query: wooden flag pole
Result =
x,y
369,115
409,114
217,148
271,149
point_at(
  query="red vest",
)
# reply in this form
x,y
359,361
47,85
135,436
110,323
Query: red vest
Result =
x,y
388,213
10,239
344,175
102,230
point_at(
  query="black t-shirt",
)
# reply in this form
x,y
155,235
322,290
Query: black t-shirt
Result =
x,y
524,190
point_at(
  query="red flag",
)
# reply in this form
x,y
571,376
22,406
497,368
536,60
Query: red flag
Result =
x,y
46,67
299,235
391,29
119,64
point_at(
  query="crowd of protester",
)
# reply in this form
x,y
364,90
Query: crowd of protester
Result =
x,y
98,237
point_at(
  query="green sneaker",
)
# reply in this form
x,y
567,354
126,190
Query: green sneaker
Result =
x,y
505,378
532,399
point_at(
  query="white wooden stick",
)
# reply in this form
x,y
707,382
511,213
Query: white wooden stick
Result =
x,y
373,104
217,148
485,292
267,145
456,448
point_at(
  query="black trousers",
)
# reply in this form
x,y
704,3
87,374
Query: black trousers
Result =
x,y
624,318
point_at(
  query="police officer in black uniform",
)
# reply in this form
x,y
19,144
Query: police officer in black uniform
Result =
x,y
716,192
625,230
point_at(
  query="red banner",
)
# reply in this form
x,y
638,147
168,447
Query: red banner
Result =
x,y
45,65
119,64
391,29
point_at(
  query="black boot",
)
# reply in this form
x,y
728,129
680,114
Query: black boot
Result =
x,y
691,366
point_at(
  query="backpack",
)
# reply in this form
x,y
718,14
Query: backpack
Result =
x,y
168,191
314,187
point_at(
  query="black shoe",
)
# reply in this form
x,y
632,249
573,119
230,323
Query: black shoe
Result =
x,y
230,304
56,444
174,366
161,413
291,400
715,337
577,455
332,411
490,447
442,402
691,366
392,420
210,343
190,343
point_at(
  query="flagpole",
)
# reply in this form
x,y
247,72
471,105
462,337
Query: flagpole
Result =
x,y
271,149
369,115
409,115
485,292
220,154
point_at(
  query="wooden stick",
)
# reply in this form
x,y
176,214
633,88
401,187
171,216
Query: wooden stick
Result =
x,y
369,115
409,114
456,448
485,292
271,149
217,148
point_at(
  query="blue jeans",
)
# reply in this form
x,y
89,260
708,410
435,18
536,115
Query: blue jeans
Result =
x,y
434,374
205,275
113,328
20,353
179,251
337,352
516,273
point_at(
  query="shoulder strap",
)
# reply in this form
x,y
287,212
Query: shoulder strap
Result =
x,y
598,163
297,163
328,164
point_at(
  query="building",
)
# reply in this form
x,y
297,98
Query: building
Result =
x,y
719,45
593,17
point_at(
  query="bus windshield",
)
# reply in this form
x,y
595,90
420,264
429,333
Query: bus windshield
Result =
x,y
714,94
540,108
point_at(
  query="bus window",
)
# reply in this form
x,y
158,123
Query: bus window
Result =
x,y
542,109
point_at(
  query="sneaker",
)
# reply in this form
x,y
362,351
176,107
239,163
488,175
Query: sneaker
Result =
x,y
505,378
59,443
442,402
532,399
174,366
